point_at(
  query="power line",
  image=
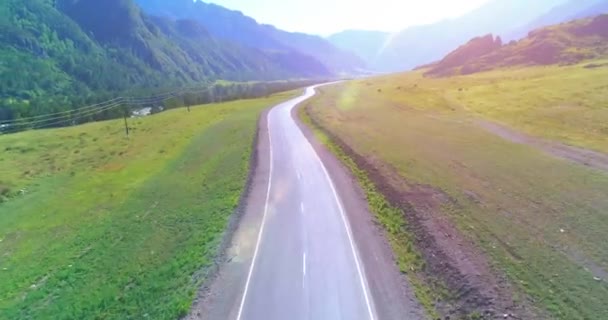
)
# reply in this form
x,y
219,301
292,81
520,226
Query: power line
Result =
x,y
28,119
131,100
75,113
73,118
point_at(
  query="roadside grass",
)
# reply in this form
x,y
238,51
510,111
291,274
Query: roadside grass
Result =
x,y
99,226
543,221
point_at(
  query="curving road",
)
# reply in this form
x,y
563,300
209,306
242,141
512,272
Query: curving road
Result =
x,y
305,264
303,241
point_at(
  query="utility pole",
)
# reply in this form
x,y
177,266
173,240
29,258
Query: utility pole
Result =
x,y
187,98
126,124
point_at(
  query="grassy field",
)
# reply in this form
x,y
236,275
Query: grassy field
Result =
x,y
543,221
94,225
567,104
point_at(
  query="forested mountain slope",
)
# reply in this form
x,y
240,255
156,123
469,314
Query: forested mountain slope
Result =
x,y
63,53
237,27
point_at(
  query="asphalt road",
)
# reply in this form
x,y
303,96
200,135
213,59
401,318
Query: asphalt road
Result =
x,y
306,264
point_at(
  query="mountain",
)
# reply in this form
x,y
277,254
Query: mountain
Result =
x,y
239,28
74,47
566,43
427,43
182,48
455,60
365,44
57,55
573,9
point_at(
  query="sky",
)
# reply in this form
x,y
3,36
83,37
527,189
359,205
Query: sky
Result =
x,y
325,17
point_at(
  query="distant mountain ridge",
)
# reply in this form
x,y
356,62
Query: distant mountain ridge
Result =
x,y
565,43
423,44
365,44
236,27
571,10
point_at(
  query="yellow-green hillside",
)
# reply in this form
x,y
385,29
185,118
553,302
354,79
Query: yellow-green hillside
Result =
x,y
539,219
97,225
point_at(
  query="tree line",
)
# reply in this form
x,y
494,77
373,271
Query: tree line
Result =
x,y
65,111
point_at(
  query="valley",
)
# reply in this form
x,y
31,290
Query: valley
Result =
x,y
225,159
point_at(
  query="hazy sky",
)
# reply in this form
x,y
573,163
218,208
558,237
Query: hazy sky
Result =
x,y
329,16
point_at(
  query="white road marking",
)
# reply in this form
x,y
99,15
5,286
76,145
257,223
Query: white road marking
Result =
x,y
299,175
340,207
302,207
257,245
346,225
304,264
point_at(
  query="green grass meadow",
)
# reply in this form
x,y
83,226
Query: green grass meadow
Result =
x,y
542,221
95,225
568,104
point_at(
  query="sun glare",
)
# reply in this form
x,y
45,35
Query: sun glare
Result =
x,y
332,16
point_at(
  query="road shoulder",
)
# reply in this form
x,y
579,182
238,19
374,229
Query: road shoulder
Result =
x,y
219,296
392,294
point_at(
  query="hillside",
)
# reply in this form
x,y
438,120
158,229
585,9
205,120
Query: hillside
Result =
x,y
107,227
59,54
487,184
422,44
239,28
475,48
566,43
571,10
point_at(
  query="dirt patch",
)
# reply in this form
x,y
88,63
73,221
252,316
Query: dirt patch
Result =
x,y
595,65
4,190
589,158
597,271
453,263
